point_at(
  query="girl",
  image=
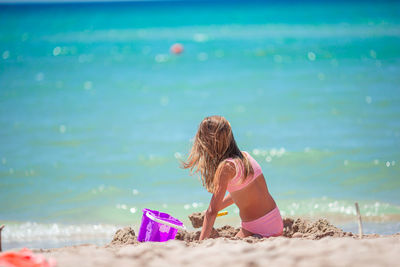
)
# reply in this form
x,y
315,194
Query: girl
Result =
x,y
223,167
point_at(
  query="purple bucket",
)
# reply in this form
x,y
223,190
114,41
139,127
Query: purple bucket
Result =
x,y
158,226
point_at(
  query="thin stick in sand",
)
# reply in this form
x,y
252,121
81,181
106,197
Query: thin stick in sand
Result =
x,y
1,228
360,228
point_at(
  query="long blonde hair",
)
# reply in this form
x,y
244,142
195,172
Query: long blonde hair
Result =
x,y
213,143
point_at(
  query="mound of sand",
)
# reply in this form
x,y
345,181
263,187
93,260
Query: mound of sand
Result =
x,y
197,219
293,228
125,236
311,230
225,231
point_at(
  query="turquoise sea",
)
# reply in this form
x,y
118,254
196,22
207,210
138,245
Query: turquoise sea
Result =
x,y
96,113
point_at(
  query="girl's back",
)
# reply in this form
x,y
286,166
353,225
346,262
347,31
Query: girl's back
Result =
x,y
251,196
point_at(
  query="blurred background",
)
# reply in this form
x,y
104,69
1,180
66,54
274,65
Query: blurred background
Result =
x,y
98,107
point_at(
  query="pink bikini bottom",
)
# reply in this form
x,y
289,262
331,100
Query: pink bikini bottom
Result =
x,y
270,224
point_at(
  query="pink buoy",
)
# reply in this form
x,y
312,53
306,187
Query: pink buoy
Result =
x,y
176,48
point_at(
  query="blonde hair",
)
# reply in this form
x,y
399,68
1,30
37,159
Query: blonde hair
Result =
x,y
213,143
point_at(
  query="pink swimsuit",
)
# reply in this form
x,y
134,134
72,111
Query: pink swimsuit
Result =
x,y
270,224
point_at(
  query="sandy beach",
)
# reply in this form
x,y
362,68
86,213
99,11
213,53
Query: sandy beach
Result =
x,y
304,243
102,103
279,251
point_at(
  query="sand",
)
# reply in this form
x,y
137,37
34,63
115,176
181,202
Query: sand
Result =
x,y
125,236
278,251
304,243
293,228
197,219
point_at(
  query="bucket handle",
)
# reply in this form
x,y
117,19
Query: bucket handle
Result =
x,y
150,216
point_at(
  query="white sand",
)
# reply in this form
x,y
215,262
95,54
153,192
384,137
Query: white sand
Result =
x,y
279,251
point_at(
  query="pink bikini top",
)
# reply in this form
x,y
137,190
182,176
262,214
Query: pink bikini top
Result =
x,y
236,182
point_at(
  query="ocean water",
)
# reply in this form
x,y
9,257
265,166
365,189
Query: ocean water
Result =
x,y
96,113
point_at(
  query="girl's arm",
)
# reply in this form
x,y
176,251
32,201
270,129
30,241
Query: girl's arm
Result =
x,y
217,201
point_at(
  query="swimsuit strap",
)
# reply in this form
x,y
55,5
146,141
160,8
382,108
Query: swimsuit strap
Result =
x,y
237,182
239,170
254,164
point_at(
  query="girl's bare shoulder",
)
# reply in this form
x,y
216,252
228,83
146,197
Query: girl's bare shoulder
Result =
x,y
228,168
